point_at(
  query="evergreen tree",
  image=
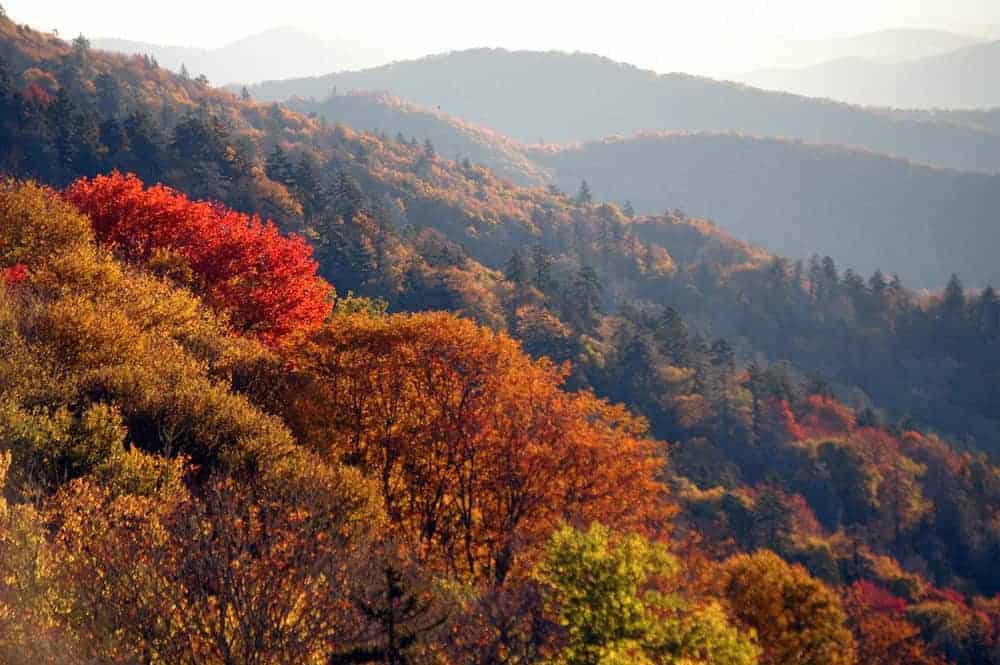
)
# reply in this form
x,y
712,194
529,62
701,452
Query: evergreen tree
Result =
x,y
308,184
542,267
516,270
583,196
278,166
585,298
953,301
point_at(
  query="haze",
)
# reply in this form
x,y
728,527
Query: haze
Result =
x,y
715,37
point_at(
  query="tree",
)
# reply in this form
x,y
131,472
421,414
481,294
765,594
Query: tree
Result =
x,y
249,572
278,166
183,73
797,618
884,636
585,298
516,270
266,282
602,591
477,449
245,94
772,520
541,267
583,196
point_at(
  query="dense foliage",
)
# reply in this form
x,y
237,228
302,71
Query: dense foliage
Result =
x,y
205,460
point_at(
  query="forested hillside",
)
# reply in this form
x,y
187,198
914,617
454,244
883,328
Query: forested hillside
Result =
x,y
451,136
227,440
793,198
559,97
798,199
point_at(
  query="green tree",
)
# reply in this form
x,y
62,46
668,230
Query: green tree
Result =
x,y
601,589
583,195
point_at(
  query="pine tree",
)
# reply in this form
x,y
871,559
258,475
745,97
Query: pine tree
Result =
x,y
585,298
278,166
542,265
583,196
516,270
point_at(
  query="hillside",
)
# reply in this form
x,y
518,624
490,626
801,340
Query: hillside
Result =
x,y
450,136
798,199
398,221
956,80
793,198
197,415
580,97
277,53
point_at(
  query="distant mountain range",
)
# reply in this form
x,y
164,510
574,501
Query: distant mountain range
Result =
x,y
794,198
882,46
965,78
277,53
556,97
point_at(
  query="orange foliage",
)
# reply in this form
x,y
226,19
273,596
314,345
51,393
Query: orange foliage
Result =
x,y
824,416
266,282
477,449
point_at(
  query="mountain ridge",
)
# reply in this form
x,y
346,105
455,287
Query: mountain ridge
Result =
x,y
580,97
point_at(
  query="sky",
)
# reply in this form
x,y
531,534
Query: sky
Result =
x,y
712,37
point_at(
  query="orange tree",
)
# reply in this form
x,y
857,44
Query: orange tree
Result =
x,y
476,448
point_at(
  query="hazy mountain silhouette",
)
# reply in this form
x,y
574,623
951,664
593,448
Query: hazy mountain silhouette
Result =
x,y
276,53
883,46
562,97
960,79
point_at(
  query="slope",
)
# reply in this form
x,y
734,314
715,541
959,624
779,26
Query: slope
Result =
x,y
797,199
561,97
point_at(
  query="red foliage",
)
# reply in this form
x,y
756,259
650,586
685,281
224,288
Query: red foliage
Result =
x,y
779,422
825,416
266,282
36,94
874,598
15,274
946,595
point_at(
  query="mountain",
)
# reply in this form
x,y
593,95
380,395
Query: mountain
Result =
x,y
960,79
191,419
450,135
276,53
561,97
797,199
791,197
882,46
981,119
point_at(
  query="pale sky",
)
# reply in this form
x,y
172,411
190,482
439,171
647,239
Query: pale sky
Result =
x,y
713,37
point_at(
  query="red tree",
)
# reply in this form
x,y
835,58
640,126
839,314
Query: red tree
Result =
x,y
15,274
824,416
265,281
